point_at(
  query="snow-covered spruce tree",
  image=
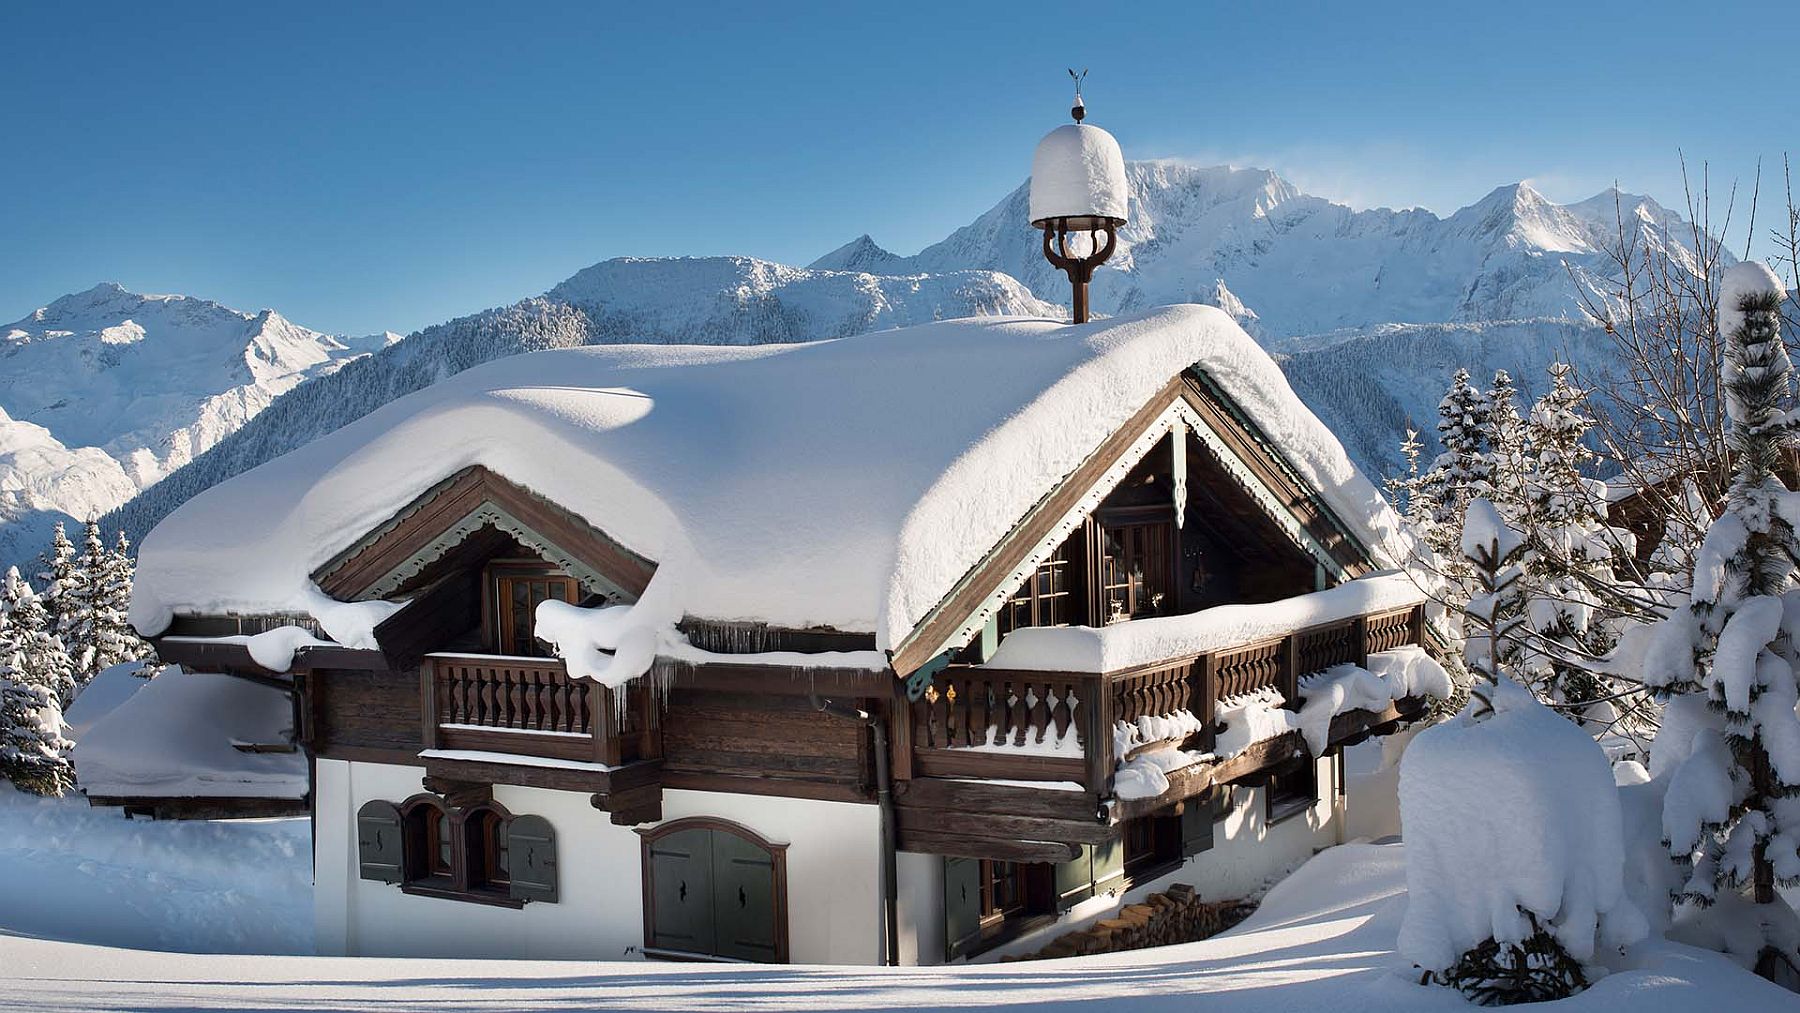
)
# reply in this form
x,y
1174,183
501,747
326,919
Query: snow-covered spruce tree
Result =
x,y
34,755
1464,469
1514,865
1408,490
111,639
1731,815
1576,605
1506,440
57,580
34,653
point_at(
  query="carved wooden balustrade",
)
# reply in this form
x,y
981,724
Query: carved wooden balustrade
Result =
x,y
984,722
531,707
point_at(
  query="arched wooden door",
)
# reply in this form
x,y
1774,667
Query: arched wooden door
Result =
x,y
713,888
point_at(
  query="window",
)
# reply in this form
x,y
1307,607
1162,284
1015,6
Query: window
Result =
x,y
1292,791
479,853
1137,564
513,590
1002,890
1152,846
1049,597
714,889
486,849
429,851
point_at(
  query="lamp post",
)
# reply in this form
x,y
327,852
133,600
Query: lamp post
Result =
x,y
1078,189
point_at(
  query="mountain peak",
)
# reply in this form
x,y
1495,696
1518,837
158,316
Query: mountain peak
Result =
x,y
861,254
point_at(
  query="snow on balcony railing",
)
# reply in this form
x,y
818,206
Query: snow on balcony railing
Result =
x,y
1143,642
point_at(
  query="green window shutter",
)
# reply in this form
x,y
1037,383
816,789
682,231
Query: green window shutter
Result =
x,y
962,900
380,848
1197,826
1109,865
681,894
1075,879
531,858
743,899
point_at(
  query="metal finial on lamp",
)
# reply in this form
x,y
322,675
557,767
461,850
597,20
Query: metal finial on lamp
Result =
x,y
1078,186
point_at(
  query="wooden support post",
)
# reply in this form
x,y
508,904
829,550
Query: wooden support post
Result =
x,y
900,733
1290,671
1206,698
607,747
1416,625
428,703
1360,633
1096,702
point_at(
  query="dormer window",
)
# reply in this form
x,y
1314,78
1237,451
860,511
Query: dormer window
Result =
x,y
512,591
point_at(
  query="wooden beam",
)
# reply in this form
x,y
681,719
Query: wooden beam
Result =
x,y
950,795
996,849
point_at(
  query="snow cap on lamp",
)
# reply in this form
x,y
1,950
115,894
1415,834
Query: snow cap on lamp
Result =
x,y
1078,174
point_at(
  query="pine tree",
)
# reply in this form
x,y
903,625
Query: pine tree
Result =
x,y
57,581
1572,547
111,638
34,755
1731,813
1464,470
34,653
1506,439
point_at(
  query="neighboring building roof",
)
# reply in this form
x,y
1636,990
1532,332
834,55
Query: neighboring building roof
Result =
x,y
179,735
848,483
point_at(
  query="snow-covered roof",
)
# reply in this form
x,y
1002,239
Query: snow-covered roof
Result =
x,y
848,483
178,737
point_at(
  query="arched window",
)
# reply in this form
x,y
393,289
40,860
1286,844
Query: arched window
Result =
x,y
430,845
715,889
485,832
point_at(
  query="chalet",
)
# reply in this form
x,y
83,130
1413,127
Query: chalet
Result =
x,y
906,647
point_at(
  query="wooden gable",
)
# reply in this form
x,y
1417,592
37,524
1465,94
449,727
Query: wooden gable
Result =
x,y
1282,505
457,517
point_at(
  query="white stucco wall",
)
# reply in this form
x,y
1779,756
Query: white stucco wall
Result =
x,y
833,861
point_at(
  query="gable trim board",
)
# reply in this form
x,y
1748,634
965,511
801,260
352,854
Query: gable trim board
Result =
x,y
382,561
967,608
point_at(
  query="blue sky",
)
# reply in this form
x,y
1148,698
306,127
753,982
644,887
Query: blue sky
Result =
x,y
388,166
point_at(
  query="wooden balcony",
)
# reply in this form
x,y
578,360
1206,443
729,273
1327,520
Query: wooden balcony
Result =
x,y
479,710
1037,726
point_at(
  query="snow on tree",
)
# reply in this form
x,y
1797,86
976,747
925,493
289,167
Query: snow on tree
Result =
x,y
34,672
1514,832
1731,815
34,755
1465,468
33,651
1506,439
57,580
111,639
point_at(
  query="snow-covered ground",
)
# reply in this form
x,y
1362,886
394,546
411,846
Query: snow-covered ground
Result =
x,y
74,873
1323,939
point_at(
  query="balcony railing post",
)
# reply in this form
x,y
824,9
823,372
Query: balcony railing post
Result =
x,y
428,702
1290,671
1205,699
1096,698
1416,624
1360,633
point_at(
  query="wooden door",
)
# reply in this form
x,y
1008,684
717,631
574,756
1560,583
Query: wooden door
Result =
x,y
515,597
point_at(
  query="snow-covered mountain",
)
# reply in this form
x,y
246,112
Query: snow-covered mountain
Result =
x,y
1292,266
715,300
104,392
1370,311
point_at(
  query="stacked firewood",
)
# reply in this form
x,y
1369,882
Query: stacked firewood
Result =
x,y
1177,915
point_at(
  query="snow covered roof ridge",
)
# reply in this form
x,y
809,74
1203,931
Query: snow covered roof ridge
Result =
x,y
848,483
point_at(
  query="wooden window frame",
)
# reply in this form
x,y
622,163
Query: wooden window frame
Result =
x,y
494,633
417,848
1105,522
1039,605
1152,847
1282,797
778,868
